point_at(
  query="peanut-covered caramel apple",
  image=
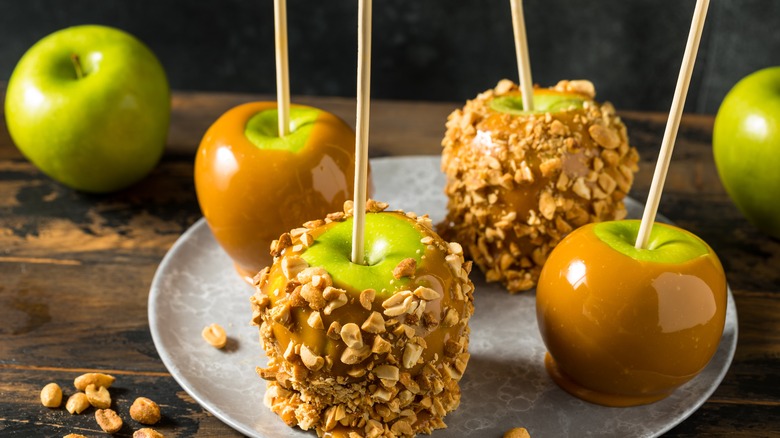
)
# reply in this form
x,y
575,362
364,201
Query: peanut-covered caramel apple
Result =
x,y
519,181
375,349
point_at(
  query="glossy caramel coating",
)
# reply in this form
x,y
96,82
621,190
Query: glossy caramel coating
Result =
x,y
625,332
307,388
518,183
249,196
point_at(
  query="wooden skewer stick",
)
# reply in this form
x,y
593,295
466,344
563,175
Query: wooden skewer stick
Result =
x,y
521,50
361,137
672,125
282,69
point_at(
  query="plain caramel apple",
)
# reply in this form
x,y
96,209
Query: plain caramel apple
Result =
x,y
625,326
253,185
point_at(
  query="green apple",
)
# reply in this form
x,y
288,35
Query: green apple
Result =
x,y
389,239
626,326
746,146
90,107
254,185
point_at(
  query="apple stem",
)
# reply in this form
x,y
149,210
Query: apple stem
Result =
x,y
74,58
361,137
282,69
672,125
523,58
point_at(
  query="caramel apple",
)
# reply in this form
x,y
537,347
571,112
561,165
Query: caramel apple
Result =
x,y
377,349
519,181
626,326
253,185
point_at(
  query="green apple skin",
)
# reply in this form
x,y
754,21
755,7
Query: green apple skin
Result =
x,y
626,326
746,147
388,241
98,132
545,100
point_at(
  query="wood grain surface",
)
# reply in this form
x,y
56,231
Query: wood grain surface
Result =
x,y
75,271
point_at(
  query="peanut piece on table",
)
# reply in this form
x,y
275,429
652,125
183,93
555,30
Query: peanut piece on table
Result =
x,y
98,379
51,395
74,435
98,396
77,403
108,420
145,411
517,432
215,335
147,432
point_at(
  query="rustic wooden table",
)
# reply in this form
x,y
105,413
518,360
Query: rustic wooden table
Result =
x,y
75,271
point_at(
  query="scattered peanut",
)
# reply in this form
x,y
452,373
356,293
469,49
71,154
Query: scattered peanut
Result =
x,y
51,395
405,268
215,335
147,432
412,353
367,298
98,396
77,403
350,334
311,360
74,435
108,420
517,432
98,379
145,411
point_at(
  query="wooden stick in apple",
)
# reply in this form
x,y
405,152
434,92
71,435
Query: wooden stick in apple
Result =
x,y
673,124
282,69
361,138
521,49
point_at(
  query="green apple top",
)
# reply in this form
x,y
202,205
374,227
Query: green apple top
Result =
x,y
518,181
545,101
389,240
90,107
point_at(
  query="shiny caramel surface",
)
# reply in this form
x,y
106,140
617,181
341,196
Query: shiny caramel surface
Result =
x,y
623,332
250,196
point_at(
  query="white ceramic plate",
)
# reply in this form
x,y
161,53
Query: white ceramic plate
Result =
x,y
505,384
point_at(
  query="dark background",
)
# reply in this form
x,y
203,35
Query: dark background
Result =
x,y
443,50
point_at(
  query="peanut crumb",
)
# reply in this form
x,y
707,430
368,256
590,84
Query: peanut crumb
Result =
x,y
517,432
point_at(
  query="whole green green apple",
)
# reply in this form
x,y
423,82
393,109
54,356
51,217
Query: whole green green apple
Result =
x,y
626,326
89,106
746,146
